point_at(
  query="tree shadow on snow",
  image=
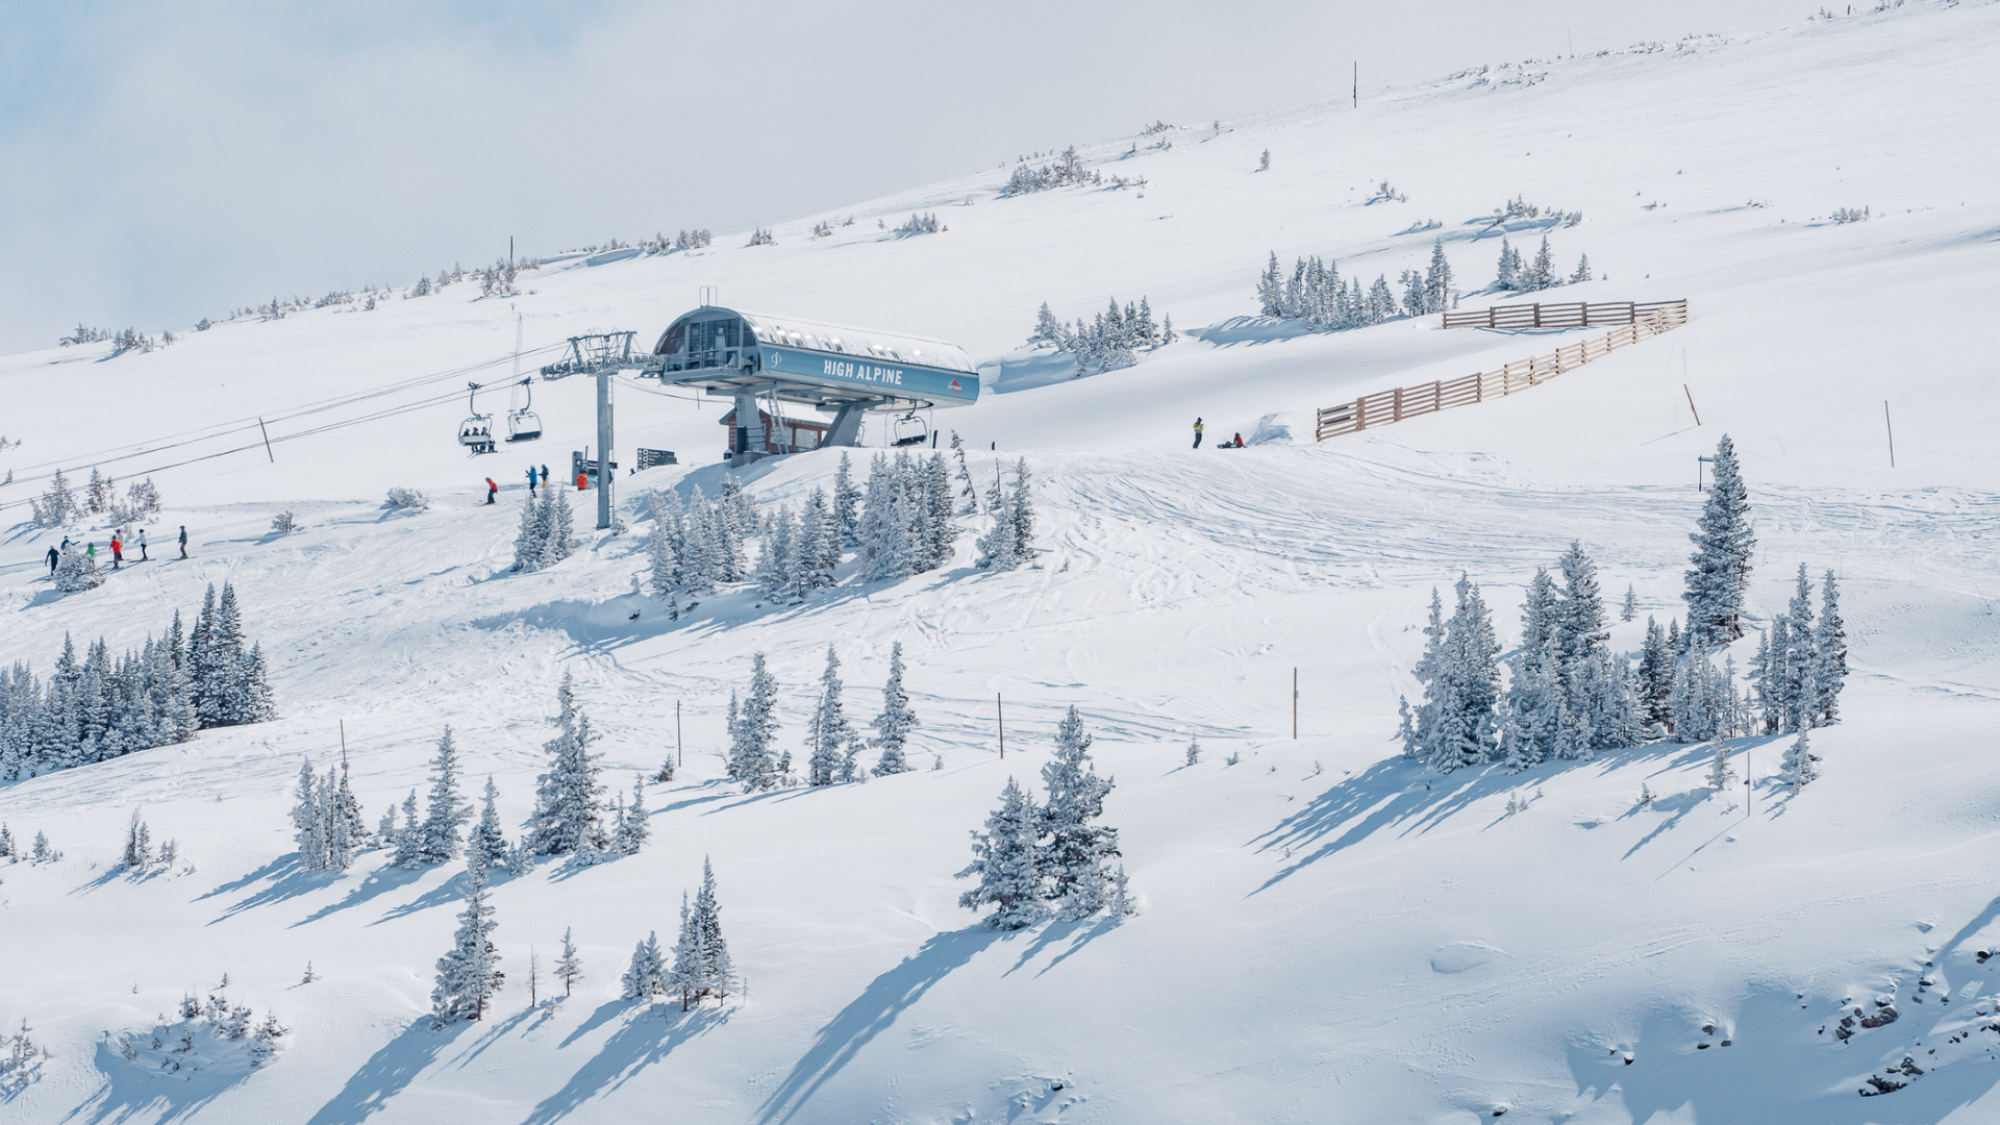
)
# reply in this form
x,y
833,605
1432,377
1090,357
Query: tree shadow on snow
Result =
x,y
1079,934
449,891
1396,793
872,1013
652,1032
379,881
287,881
387,1073
132,1093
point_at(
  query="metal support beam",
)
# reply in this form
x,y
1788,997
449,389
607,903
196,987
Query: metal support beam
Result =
x,y
604,436
750,435
846,428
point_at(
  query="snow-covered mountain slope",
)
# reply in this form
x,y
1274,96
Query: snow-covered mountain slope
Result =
x,y
1327,932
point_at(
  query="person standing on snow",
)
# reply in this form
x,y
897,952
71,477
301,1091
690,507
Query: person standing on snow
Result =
x,y
1197,433
184,541
54,558
90,551
492,490
546,478
582,480
531,480
142,544
117,552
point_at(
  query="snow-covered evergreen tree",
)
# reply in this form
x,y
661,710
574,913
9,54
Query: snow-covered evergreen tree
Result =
x,y
1800,658
438,837
307,817
76,571
647,976
968,495
1456,723
486,837
753,732
846,501
569,965
1720,775
1193,751
1536,722
702,966
634,828
829,736
1009,544
895,721
1829,670
1724,545
569,799
776,564
1629,608
532,534
1542,271
57,506
408,843
1438,294
1005,863
1075,856
1799,767
1507,275
469,975
1582,273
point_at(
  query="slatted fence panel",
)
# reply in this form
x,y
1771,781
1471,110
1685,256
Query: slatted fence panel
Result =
x,y
1641,321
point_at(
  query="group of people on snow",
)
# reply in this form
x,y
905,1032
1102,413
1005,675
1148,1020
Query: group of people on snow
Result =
x,y
1233,443
117,546
537,477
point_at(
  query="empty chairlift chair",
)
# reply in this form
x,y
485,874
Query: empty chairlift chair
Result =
x,y
524,424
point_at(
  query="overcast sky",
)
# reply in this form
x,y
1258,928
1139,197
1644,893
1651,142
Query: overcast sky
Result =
x,y
164,161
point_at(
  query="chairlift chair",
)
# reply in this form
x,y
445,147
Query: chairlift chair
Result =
x,y
476,432
911,430
524,424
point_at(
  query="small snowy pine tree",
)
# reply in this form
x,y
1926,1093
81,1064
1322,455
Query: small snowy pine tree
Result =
x,y
896,720
469,975
1004,861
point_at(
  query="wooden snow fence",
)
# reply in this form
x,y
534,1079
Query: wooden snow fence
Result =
x,y
1646,320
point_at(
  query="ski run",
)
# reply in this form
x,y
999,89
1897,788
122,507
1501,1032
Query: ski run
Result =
x,y
1616,751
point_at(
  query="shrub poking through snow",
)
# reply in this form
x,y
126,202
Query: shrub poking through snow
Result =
x,y
407,500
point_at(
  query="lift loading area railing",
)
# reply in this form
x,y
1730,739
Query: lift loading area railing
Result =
x,y
1383,407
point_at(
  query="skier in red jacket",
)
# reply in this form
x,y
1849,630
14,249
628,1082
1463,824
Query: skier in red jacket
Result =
x,y
492,490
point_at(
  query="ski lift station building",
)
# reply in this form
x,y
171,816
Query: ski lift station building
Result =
x,y
764,361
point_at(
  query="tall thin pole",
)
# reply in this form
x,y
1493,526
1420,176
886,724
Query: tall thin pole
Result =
x,y
274,458
603,447
343,744
1690,394
1357,84
1000,714
1890,426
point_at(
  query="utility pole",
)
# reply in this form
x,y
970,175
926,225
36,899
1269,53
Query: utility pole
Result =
x,y
603,447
